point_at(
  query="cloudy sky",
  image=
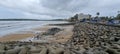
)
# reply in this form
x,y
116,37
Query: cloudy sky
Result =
x,y
52,9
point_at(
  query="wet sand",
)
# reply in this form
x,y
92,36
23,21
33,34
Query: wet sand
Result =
x,y
15,37
22,34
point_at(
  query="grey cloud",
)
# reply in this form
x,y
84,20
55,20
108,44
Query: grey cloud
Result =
x,y
65,5
55,4
50,14
62,8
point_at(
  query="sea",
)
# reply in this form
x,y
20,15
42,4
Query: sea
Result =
x,y
8,27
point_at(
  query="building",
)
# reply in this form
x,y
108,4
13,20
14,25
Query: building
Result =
x,y
83,16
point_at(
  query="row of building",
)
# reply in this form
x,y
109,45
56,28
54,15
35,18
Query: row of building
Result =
x,y
88,18
80,17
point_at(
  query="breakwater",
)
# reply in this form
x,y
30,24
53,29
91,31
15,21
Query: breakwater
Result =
x,y
86,39
96,38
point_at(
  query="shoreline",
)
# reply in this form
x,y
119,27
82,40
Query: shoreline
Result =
x,y
22,34
28,35
11,27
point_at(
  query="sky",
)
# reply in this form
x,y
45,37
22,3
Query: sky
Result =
x,y
54,9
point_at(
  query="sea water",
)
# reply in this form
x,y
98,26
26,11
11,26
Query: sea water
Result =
x,y
8,27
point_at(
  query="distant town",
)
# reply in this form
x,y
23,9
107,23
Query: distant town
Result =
x,y
97,19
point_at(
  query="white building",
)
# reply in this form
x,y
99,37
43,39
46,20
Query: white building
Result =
x,y
82,16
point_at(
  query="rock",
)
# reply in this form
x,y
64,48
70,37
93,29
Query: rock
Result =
x,y
59,51
89,52
13,51
2,52
8,47
116,46
25,50
2,47
67,52
118,50
111,51
76,51
100,52
44,51
118,42
35,51
52,50
117,39
112,38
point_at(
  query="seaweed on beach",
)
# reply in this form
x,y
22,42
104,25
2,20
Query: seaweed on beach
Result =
x,y
52,31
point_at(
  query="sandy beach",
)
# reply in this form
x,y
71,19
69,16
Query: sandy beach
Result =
x,y
61,36
15,37
22,35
